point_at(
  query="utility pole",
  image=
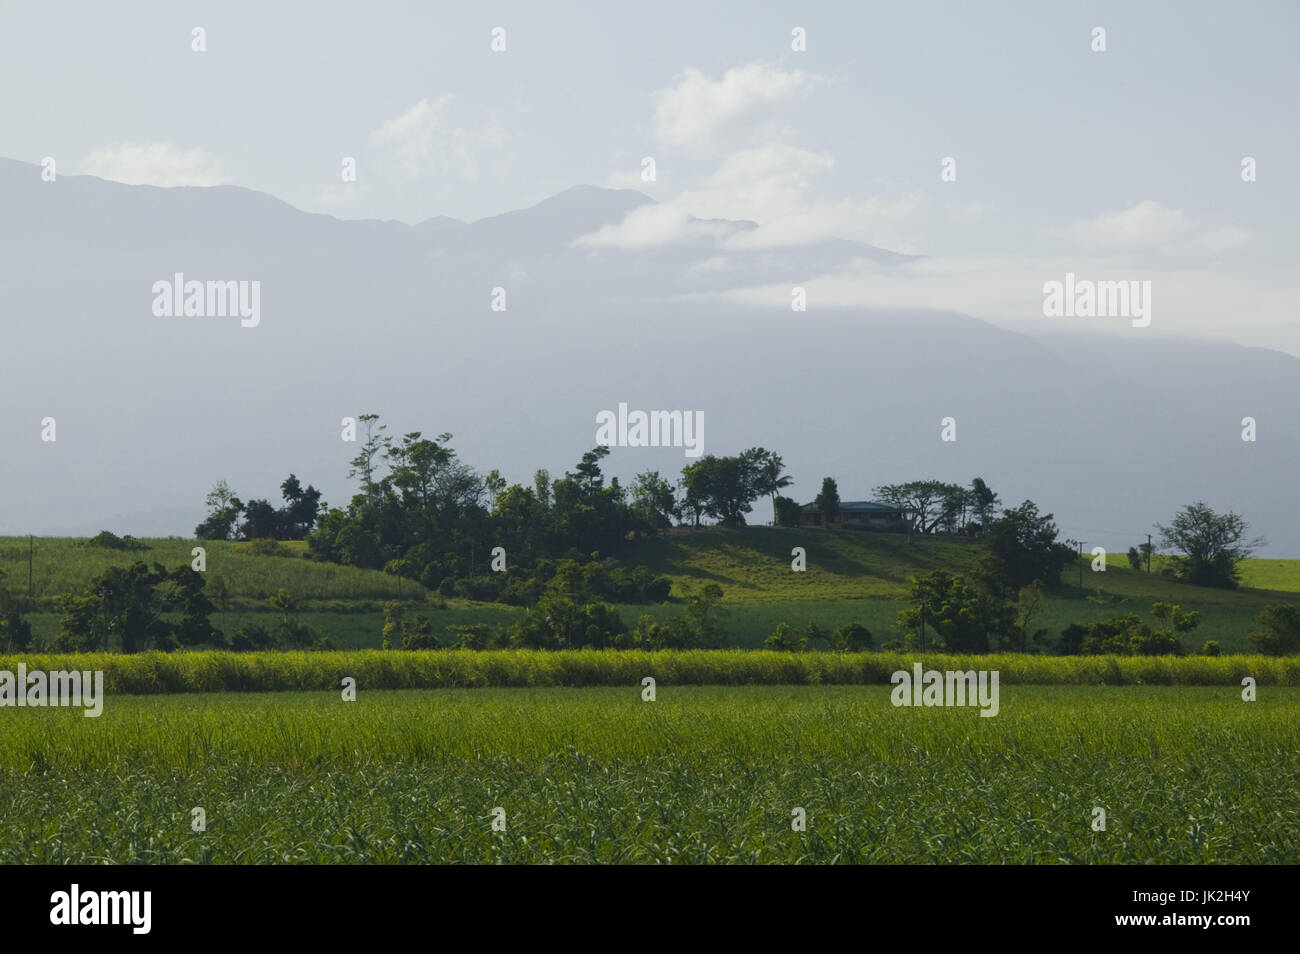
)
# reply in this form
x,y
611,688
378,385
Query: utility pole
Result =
x,y
1148,553
29,565
1079,544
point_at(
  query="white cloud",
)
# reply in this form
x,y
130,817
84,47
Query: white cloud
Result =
x,y
628,179
775,185
699,112
1221,240
877,221
1149,225
649,226
1186,300
158,164
423,142
1145,224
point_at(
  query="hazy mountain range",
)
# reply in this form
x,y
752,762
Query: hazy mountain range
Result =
x,y
1110,432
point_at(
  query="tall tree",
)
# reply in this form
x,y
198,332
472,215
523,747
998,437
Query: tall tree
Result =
x,y
1208,545
787,512
301,507
653,501
828,501
983,502
771,479
260,520
1025,541
724,488
953,508
373,449
960,616
224,509
923,499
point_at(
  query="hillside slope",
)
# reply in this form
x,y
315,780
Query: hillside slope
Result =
x,y
851,576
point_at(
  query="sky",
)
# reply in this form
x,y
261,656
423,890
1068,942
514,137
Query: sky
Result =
x,y
1123,164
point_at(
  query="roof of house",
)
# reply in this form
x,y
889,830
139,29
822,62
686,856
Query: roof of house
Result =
x,y
856,506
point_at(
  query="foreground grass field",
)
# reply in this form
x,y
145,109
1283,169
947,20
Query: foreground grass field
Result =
x,y
1185,775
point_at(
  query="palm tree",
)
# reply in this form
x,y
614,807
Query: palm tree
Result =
x,y
770,479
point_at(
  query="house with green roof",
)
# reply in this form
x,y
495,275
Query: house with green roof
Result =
x,y
858,515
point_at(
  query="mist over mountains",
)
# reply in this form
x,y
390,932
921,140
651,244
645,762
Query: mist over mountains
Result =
x,y
1112,433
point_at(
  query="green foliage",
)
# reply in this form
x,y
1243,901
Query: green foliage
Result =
x,y
1026,544
851,638
959,615
1072,638
268,547
436,520
982,502
653,501
111,541
409,632
932,504
287,633
560,622
479,636
700,627
787,639
1208,545
725,488
293,521
1279,630
828,501
584,581
786,511
1211,648
1129,635
124,609
15,631
185,594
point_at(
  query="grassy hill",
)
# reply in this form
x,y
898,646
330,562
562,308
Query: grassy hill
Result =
x,y
862,577
63,565
851,576
752,565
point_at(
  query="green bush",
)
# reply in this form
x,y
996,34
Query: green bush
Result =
x,y
1279,630
111,541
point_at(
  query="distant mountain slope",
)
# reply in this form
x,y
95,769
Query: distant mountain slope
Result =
x,y
1111,433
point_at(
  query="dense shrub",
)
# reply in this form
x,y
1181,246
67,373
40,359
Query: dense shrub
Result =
x,y
111,541
1279,630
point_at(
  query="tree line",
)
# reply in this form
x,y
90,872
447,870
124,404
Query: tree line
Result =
x,y
552,547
